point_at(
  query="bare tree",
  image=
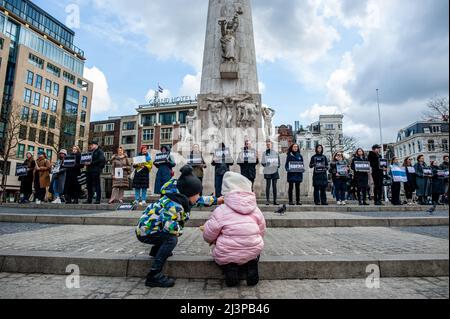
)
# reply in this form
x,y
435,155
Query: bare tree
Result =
x,y
9,142
438,109
334,142
349,144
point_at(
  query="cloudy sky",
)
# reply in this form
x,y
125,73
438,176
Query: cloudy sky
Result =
x,y
314,56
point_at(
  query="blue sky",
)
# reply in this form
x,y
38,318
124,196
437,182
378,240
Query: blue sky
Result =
x,y
314,57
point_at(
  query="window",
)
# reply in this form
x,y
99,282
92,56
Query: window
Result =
x,y
20,151
84,102
410,149
40,150
445,145
54,107
182,117
109,140
30,78
48,86
83,116
329,126
109,127
167,118
37,98
23,132
148,135
42,137
38,83
436,129
27,96
128,140
82,85
71,101
36,61
69,77
55,89
49,154
420,146
53,70
44,119
52,122
50,139
46,104
82,131
166,134
98,128
129,126
31,149
25,113
149,120
431,146
108,156
32,134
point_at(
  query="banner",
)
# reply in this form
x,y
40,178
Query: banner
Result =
x,y
86,158
272,161
384,163
427,172
248,156
161,158
342,169
363,167
21,170
296,167
320,166
118,173
223,156
411,170
399,174
195,159
70,161
139,160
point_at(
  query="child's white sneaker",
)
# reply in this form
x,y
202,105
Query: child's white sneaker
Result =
x,y
57,201
143,203
339,203
38,202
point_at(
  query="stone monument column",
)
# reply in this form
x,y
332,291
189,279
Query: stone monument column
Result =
x,y
229,104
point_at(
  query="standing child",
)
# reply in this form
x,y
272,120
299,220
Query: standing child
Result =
x,y
237,229
163,222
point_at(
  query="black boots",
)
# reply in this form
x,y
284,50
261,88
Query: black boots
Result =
x,y
231,275
155,279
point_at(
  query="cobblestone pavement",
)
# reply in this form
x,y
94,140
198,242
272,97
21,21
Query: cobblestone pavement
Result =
x,y
120,240
49,286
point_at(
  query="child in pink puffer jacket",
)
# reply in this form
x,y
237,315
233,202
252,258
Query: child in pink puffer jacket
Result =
x,y
237,229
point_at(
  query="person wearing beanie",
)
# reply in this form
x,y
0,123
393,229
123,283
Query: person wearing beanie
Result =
x,y
239,217
26,182
141,178
162,222
58,177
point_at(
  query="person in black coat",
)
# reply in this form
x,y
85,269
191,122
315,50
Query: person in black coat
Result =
x,y
377,173
361,178
437,183
410,186
221,168
248,166
26,182
294,178
141,179
339,178
320,178
93,171
271,163
445,166
165,170
72,188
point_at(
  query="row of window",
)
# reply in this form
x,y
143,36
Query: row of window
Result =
x,y
164,118
34,98
36,80
22,147
419,147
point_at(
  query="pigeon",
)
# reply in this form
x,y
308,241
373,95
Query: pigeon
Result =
x,y
282,210
432,210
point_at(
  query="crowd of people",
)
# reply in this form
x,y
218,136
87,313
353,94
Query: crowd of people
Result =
x,y
362,178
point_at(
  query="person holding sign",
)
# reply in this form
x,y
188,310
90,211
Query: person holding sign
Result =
x,y
295,167
423,182
26,181
121,168
41,177
248,160
222,165
271,163
339,170
141,180
197,162
361,168
399,176
165,163
320,178
410,185
445,166
437,185
378,171
94,169
59,177
72,188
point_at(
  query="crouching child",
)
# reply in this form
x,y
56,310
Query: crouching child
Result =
x,y
162,222
237,229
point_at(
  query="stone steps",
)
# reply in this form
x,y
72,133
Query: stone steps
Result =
x,y
291,220
319,253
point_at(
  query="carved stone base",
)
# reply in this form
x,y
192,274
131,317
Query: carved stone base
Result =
x,y
229,71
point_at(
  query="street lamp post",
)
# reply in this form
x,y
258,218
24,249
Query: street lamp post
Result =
x,y
381,138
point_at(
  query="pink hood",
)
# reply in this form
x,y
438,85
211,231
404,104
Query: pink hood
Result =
x,y
237,228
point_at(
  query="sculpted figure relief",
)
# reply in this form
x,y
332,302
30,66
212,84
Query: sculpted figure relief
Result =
x,y
268,115
228,40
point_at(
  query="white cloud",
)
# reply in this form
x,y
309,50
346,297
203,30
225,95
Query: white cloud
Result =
x,y
101,99
262,87
191,85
